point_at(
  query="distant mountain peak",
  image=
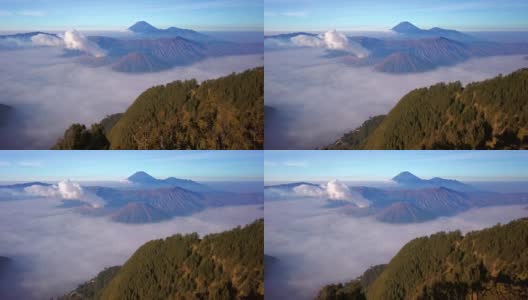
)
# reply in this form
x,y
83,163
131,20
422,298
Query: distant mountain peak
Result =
x,y
141,27
141,176
406,176
406,27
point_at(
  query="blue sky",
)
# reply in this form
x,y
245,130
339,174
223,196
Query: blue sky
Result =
x,y
289,166
119,14
117,165
469,15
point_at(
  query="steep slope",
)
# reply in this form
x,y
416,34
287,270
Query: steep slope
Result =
x,y
486,264
143,180
409,180
136,62
423,55
418,205
137,212
226,113
227,265
141,177
404,212
145,29
406,27
354,138
150,205
411,31
491,114
352,290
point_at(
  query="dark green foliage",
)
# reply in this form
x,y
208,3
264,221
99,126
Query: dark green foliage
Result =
x,y
226,113
227,265
78,137
492,114
92,289
370,275
109,122
355,138
349,291
353,290
486,264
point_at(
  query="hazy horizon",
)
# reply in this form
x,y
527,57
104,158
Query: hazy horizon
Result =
x,y
465,15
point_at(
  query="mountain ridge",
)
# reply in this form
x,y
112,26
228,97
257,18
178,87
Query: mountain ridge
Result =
x,y
144,28
226,265
484,264
490,114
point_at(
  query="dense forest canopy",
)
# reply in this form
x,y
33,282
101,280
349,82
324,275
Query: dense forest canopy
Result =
x,y
227,265
486,264
492,114
224,113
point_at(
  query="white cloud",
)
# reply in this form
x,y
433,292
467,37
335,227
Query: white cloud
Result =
x,y
30,164
309,191
330,40
32,13
296,164
335,40
47,40
295,14
308,41
333,190
39,190
77,41
65,190
69,190
71,39
339,191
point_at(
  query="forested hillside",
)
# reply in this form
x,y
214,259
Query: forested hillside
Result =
x,y
225,113
492,114
486,264
227,265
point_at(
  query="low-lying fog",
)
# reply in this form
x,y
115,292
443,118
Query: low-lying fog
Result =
x,y
319,99
55,249
317,246
50,92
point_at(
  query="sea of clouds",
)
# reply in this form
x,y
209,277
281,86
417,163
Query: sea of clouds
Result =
x,y
318,98
316,245
50,91
54,248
